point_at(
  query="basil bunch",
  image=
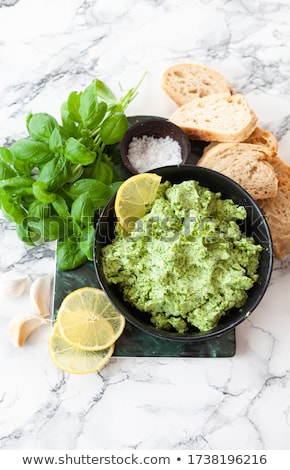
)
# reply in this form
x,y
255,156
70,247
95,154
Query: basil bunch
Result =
x,y
53,181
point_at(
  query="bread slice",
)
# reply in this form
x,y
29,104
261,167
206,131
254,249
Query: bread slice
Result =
x,y
277,212
280,167
246,164
184,82
261,136
219,117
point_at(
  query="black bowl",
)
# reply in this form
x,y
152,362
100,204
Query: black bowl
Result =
x,y
254,225
157,128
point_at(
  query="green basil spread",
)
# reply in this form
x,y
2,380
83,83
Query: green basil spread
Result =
x,y
187,262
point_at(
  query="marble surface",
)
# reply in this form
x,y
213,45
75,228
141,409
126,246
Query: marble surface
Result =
x,y
49,48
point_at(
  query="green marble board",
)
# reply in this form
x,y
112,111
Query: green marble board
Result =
x,y
134,342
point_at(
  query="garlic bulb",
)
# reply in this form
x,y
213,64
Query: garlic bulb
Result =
x,y
14,287
41,295
21,326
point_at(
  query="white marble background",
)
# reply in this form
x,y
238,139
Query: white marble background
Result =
x,y
49,48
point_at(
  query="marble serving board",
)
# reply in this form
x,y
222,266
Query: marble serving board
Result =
x,y
134,342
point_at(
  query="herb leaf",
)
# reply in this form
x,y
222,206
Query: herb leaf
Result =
x,y
113,128
88,109
104,92
30,151
40,126
73,105
78,153
69,255
55,141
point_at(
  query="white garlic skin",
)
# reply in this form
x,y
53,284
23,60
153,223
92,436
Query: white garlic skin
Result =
x,y
22,325
41,295
14,287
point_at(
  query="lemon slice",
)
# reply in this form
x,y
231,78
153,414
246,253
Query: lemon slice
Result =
x,y
87,320
134,197
73,360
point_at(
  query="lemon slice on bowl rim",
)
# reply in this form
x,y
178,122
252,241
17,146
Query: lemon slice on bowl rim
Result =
x,y
73,360
134,197
87,320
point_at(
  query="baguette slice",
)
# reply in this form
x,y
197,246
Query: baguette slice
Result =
x,y
184,82
220,117
263,137
247,164
277,212
280,167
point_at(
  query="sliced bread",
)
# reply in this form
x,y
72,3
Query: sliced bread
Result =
x,y
277,212
263,137
280,167
246,164
184,82
219,117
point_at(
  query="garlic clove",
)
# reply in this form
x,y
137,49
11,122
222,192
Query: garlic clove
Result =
x,y
14,287
41,295
21,326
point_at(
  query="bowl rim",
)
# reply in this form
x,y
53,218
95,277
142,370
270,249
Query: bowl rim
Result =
x,y
171,335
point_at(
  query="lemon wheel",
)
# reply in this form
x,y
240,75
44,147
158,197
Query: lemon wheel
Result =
x,y
134,197
73,360
87,320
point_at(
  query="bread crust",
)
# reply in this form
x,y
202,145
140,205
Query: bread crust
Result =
x,y
186,81
247,164
263,137
277,213
219,117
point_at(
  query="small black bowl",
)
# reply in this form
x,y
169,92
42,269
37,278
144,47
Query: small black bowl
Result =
x,y
254,225
157,128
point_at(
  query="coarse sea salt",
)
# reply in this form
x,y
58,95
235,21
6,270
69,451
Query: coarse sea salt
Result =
x,y
147,152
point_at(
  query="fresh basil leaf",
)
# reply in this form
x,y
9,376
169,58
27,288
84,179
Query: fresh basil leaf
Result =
x,y
69,255
40,126
24,234
39,210
23,168
40,192
88,109
74,172
113,128
69,128
99,170
88,185
55,142
104,92
6,171
78,153
55,173
116,108
30,151
12,209
73,105
102,109
60,206
82,209
105,173
16,182
87,241
6,155
115,186
47,229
